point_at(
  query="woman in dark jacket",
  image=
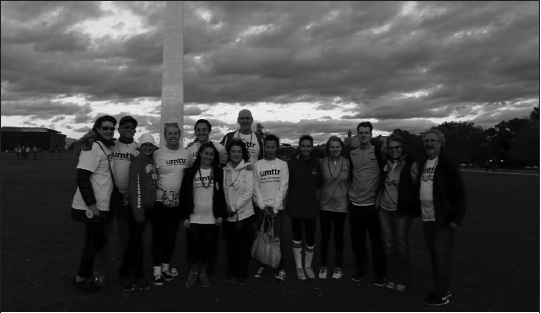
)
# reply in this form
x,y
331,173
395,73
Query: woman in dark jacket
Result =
x,y
302,204
398,204
204,207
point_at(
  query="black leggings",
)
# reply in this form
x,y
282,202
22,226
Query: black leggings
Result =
x,y
327,218
165,223
309,226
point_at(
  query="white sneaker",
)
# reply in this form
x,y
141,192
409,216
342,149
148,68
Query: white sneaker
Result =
x,y
300,274
281,275
337,273
310,273
322,272
259,273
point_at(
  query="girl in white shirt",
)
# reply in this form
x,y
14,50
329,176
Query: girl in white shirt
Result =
x,y
170,162
204,207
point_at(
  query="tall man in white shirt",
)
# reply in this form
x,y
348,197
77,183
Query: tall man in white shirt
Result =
x,y
253,140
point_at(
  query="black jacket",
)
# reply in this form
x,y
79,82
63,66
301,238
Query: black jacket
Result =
x,y
186,203
449,192
408,203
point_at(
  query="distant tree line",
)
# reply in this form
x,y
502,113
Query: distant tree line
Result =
x,y
512,143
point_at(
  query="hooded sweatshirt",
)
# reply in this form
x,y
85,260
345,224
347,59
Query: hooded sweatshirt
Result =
x,y
142,184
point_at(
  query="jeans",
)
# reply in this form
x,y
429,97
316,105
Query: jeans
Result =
x,y
102,259
239,243
327,218
394,230
361,219
439,241
95,238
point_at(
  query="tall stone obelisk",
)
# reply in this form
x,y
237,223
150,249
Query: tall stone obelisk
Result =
x,y
172,108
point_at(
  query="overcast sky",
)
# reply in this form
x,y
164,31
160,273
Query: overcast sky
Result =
x,y
301,67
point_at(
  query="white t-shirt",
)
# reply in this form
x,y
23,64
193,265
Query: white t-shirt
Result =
x,y
271,183
426,195
251,144
96,161
120,163
193,149
170,165
203,190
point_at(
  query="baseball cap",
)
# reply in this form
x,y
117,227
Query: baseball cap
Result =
x,y
126,119
147,138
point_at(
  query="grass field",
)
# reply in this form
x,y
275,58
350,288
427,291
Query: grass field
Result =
x,y
496,262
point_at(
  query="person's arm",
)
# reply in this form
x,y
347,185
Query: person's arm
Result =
x,y
282,191
459,195
258,199
414,173
84,143
85,186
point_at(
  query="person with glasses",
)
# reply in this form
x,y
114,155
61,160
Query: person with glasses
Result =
x,y
94,188
142,191
203,209
202,130
443,205
170,161
302,204
253,140
398,203
366,165
336,175
122,151
239,189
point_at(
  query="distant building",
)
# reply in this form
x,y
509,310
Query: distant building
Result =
x,y
42,138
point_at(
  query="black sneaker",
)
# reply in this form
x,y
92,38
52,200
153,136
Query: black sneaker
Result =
x,y
167,275
157,280
432,294
141,283
239,281
437,300
230,279
126,283
380,282
357,277
88,284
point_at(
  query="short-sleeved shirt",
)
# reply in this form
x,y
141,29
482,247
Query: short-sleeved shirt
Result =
x,y
426,193
120,164
96,161
251,144
170,165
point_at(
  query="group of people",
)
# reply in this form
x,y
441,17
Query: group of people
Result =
x,y
23,152
240,183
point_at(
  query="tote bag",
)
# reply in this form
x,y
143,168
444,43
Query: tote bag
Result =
x,y
264,248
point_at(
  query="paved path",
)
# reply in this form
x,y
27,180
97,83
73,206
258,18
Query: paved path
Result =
x,y
507,173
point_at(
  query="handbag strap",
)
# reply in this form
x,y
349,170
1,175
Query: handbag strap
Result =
x,y
108,162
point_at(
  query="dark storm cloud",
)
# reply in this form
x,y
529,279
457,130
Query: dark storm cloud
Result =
x,y
462,54
41,108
